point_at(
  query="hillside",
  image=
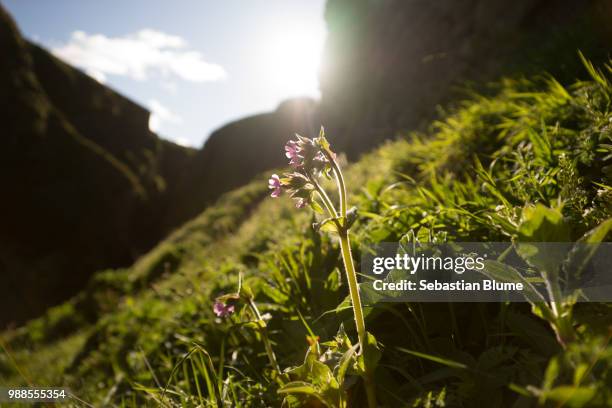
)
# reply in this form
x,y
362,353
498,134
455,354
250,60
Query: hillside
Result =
x,y
90,186
155,340
81,171
389,64
238,151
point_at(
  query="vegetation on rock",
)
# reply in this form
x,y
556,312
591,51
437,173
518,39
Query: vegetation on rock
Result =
x,y
530,148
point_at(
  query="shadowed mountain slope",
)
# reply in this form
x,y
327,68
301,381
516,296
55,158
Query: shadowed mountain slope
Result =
x,y
389,64
88,186
236,152
82,177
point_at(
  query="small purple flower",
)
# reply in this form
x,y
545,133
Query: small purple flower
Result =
x,y
291,149
301,203
296,162
222,309
275,184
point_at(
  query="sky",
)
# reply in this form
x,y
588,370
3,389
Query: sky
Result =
x,y
195,64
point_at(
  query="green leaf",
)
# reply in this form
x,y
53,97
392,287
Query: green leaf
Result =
x,y
569,396
344,305
318,374
542,224
345,363
254,325
580,373
598,234
298,387
371,297
322,140
332,282
435,359
552,373
501,272
586,247
328,225
531,332
351,217
371,353
424,234
274,294
245,292
541,145
316,207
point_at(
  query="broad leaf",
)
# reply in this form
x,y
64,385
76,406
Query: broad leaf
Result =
x,y
298,387
542,224
503,273
586,247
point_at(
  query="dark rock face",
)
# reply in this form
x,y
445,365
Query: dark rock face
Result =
x,y
389,63
86,186
84,181
240,150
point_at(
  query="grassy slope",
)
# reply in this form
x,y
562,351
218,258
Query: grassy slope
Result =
x,y
119,340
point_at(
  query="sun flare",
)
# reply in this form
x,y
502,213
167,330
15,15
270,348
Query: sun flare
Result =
x,y
292,57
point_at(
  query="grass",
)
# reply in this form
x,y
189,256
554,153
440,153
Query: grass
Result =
x,y
147,335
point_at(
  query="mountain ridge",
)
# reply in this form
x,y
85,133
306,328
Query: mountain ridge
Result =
x,y
93,188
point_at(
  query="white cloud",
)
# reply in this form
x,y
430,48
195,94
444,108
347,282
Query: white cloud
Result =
x,y
183,141
137,56
161,114
97,75
169,86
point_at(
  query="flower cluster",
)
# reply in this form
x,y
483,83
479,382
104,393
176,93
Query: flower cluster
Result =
x,y
225,305
309,158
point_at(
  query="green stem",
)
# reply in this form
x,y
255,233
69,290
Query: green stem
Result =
x,y
341,184
347,256
563,321
329,206
351,277
264,335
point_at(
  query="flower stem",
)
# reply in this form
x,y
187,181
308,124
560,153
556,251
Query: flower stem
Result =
x,y
264,335
347,256
562,324
351,277
341,184
329,206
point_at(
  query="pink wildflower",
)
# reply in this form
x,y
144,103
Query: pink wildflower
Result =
x,y
296,162
222,309
275,185
291,149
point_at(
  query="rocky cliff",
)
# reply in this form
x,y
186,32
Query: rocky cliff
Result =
x,y
242,149
83,178
389,64
86,184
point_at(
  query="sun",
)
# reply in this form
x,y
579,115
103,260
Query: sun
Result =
x,y
291,59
